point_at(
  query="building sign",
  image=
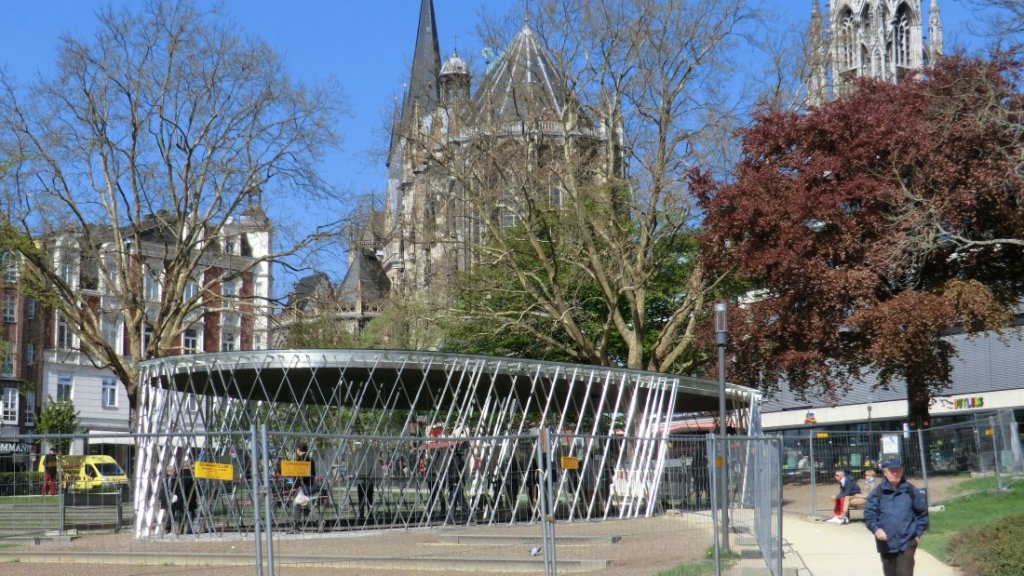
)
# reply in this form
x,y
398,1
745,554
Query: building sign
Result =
x,y
966,403
890,444
14,448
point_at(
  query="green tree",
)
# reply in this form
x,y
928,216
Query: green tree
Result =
x,y
58,418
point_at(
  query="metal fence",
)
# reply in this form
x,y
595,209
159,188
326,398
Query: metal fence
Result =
x,y
937,460
249,483
753,497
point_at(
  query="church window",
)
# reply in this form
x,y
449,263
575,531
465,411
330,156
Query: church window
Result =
x,y
556,192
902,36
848,41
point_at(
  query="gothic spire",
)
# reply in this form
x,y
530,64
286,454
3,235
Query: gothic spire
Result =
x,y
423,93
934,32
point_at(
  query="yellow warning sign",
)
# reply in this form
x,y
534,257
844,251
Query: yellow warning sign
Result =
x,y
570,463
821,435
213,471
295,468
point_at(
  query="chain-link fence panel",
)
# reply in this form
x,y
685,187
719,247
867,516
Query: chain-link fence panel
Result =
x,y
746,483
75,488
938,460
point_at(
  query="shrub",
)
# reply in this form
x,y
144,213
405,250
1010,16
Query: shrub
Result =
x,y
20,483
991,550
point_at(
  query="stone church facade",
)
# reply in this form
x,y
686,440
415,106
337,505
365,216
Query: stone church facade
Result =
x,y
467,155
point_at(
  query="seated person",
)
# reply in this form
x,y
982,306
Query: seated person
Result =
x,y
847,489
858,500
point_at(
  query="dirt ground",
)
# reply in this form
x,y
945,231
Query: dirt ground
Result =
x,y
647,546
796,497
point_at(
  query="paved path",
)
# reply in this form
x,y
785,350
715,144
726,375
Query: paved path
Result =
x,y
840,550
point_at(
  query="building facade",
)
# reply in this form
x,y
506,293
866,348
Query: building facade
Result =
x,y
21,346
47,360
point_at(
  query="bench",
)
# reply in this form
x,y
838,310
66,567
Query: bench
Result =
x,y
855,510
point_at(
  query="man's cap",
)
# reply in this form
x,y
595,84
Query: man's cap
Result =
x,y
892,463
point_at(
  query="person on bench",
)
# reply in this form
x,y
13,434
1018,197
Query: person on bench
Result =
x,y
857,500
847,489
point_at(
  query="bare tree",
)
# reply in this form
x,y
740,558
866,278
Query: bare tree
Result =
x,y
586,222
1004,20
156,142
980,100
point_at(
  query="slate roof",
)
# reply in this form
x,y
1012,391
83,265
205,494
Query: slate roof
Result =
x,y
306,288
365,280
423,91
522,86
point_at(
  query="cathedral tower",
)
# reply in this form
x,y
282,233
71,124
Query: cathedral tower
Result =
x,y
882,39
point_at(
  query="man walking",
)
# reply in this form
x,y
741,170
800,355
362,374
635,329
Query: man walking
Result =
x,y
897,514
50,473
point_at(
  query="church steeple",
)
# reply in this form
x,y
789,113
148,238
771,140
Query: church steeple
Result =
x,y
816,80
423,93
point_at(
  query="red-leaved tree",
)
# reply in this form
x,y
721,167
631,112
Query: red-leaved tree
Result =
x,y
869,228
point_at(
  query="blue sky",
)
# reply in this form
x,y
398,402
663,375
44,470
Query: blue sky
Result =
x,y
366,45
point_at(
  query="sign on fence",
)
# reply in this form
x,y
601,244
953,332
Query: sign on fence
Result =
x,y
216,471
296,468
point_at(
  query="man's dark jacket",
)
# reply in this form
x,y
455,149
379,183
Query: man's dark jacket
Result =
x,y
901,511
848,488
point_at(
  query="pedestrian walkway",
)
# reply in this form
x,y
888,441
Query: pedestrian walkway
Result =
x,y
826,549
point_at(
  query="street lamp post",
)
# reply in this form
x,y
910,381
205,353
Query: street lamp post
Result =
x,y
721,337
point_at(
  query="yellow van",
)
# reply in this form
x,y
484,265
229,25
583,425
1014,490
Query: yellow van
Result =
x,y
92,473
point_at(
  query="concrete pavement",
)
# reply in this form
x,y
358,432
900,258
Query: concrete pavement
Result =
x,y
841,549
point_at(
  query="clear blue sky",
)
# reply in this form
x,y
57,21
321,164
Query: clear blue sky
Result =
x,y
366,45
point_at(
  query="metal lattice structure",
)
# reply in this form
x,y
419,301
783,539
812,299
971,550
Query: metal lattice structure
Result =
x,y
434,421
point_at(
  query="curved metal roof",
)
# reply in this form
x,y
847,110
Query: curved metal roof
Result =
x,y
273,374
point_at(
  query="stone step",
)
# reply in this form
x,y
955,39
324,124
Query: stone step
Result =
x,y
498,539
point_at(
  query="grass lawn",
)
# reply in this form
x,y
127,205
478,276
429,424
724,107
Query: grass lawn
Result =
x,y
971,511
28,499
705,568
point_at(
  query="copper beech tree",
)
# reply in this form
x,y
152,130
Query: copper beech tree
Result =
x,y
869,228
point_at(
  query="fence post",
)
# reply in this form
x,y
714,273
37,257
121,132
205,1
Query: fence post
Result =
x,y
924,461
995,451
712,451
118,516
265,493
544,497
254,496
812,469
777,499
977,446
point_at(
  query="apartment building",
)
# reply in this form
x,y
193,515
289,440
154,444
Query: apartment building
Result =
x,y
48,361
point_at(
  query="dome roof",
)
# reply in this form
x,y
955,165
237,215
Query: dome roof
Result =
x,y
454,65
